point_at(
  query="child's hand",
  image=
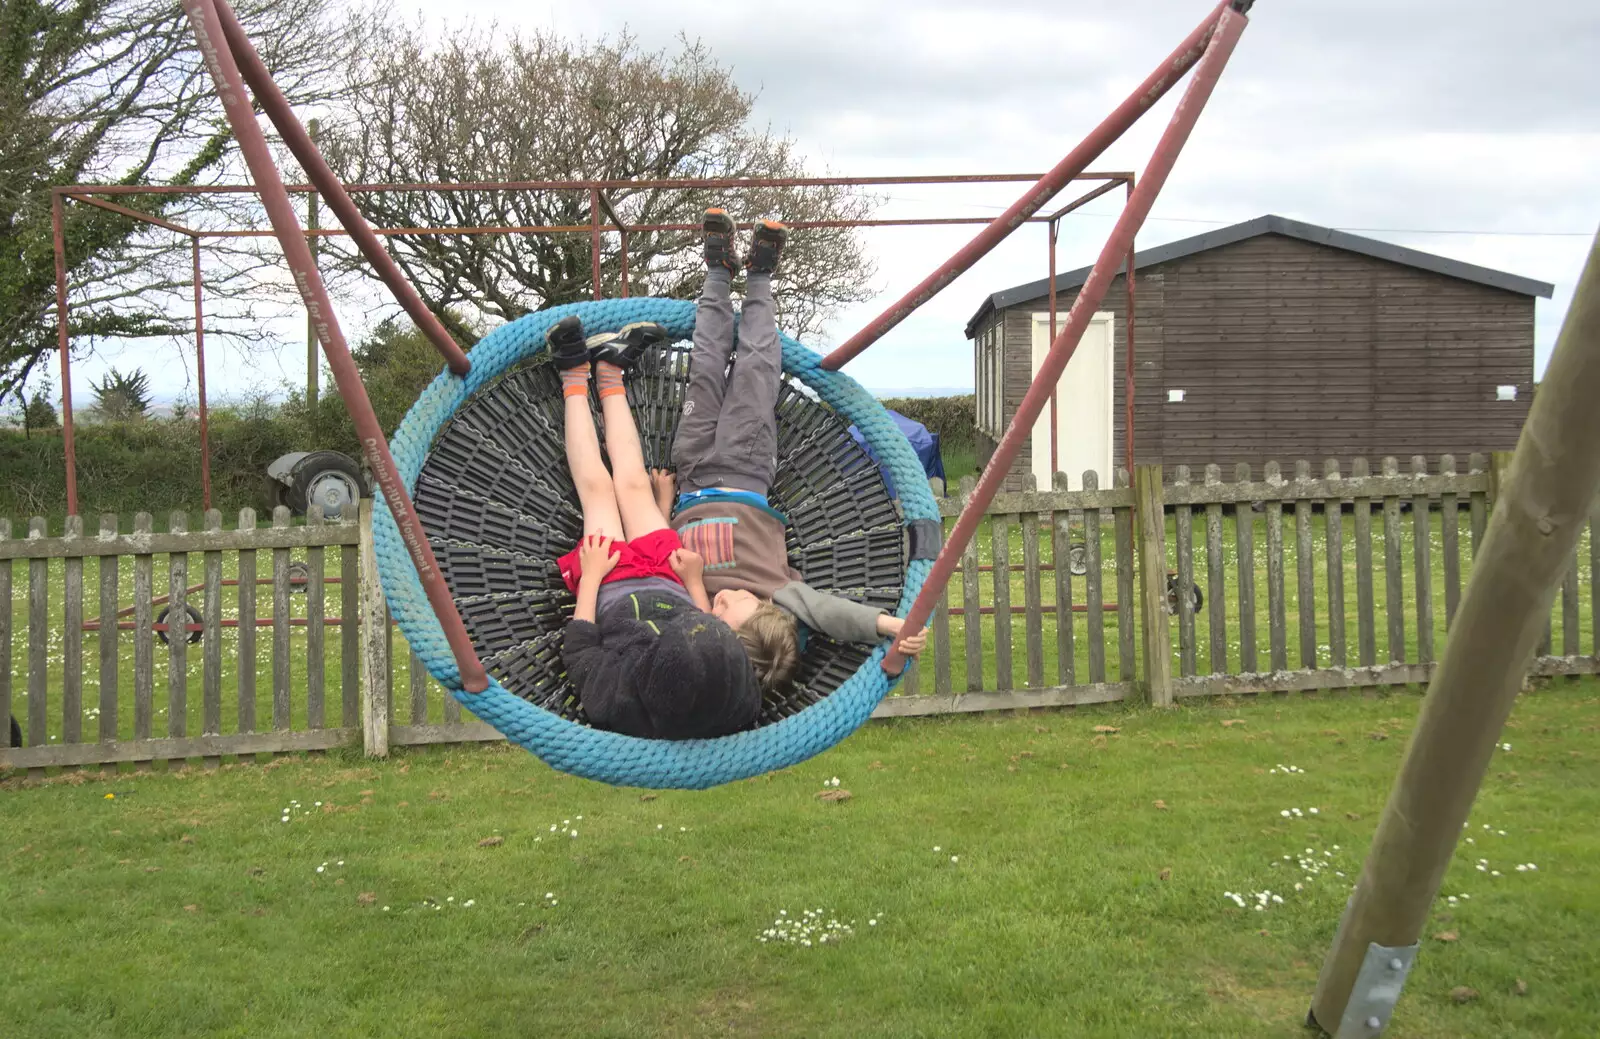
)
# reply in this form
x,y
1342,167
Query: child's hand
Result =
x,y
687,564
595,558
910,645
893,626
664,483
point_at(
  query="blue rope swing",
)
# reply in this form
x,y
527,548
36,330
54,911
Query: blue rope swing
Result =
x,y
608,757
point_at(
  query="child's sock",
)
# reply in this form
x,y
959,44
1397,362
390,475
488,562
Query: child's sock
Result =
x,y
575,380
608,379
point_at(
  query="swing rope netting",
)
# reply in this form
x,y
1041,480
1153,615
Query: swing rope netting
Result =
x,y
431,619
593,753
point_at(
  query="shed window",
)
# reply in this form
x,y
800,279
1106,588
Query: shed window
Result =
x,y
1505,393
1174,396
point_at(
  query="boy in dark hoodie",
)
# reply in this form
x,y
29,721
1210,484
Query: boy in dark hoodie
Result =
x,y
725,454
642,650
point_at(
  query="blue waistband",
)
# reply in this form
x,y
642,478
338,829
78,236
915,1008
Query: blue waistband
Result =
x,y
716,494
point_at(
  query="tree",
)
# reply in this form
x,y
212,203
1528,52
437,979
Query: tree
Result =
x,y
396,362
114,91
515,107
38,412
120,397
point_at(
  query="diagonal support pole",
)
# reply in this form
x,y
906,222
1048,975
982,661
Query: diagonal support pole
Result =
x,y
1229,28
252,143
272,101
1541,512
1153,89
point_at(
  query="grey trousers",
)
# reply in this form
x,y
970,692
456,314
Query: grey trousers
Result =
x,y
728,434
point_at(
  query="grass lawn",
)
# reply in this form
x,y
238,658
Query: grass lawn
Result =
x,y
1028,877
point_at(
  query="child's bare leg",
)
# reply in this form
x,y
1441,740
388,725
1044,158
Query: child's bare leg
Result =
x,y
595,494
634,492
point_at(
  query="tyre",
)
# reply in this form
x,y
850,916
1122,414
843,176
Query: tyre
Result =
x,y
1078,558
16,732
299,574
194,618
326,478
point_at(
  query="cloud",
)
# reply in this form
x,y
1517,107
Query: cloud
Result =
x,y
1429,115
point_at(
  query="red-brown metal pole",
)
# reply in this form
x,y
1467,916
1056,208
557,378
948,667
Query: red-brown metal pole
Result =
x,y
603,185
624,234
134,214
200,376
1055,460
1101,137
1127,380
1209,68
59,239
225,75
310,158
589,228
594,238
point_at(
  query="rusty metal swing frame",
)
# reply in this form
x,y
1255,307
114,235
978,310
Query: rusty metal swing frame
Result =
x,y
234,64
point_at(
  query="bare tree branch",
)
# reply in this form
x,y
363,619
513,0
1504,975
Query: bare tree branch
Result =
x,y
504,107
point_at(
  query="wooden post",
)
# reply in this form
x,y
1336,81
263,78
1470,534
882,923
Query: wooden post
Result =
x,y
374,645
1093,584
1149,511
1545,497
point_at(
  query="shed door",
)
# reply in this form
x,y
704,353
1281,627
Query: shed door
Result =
x,y
1084,404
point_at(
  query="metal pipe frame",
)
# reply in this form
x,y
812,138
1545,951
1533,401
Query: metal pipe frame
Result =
x,y
1219,47
225,74
200,377
276,106
59,238
1154,87
603,185
1054,221
86,194
1206,49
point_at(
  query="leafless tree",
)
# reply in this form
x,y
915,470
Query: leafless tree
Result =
x,y
478,107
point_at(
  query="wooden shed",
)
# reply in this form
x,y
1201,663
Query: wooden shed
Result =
x,y
1270,340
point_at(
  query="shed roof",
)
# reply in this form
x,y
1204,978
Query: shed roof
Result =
x,y
1271,224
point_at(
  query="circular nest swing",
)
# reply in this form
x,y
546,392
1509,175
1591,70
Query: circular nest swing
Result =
x,y
485,462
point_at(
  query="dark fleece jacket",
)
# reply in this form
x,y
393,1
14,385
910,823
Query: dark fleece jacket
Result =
x,y
654,667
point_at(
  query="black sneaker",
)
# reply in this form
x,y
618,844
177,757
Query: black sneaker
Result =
x,y
719,248
766,247
564,339
625,346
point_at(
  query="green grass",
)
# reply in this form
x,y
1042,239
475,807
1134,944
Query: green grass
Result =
x,y
184,906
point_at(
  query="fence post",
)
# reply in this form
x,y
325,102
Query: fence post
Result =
x,y
374,645
1150,509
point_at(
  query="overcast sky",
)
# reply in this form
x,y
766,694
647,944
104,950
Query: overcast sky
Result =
x,y
1443,125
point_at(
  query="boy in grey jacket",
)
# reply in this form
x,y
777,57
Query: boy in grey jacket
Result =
x,y
726,456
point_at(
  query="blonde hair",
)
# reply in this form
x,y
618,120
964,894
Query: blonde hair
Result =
x,y
770,642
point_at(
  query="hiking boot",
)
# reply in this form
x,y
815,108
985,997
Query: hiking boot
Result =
x,y
625,346
719,248
766,246
564,339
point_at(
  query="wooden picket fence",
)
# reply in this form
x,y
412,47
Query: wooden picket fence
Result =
x,y
1068,598
1293,593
